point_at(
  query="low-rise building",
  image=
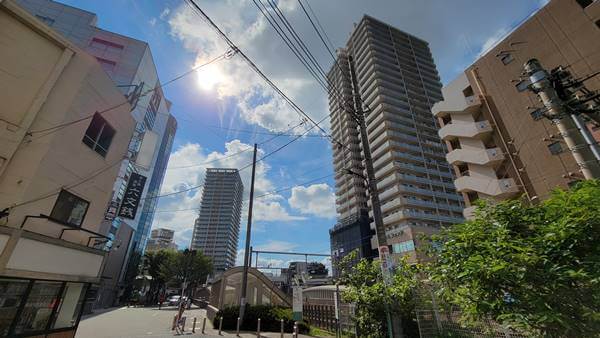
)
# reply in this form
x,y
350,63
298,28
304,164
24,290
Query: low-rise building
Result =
x,y
64,130
161,239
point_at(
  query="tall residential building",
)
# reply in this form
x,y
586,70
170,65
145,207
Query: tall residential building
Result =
x,y
130,65
393,74
499,147
217,228
161,239
55,175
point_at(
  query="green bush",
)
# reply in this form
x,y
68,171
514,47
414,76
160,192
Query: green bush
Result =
x,y
270,317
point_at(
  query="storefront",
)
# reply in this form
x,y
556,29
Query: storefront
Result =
x,y
30,307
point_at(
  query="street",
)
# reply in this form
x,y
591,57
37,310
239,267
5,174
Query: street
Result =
x,y
150,322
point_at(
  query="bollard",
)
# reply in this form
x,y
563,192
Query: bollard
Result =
x,y
194,326
237,328
282,328
258,329
183,323
220,325
203,325
295,329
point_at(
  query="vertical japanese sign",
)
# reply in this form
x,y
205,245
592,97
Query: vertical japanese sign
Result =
x,y
386,264
132,196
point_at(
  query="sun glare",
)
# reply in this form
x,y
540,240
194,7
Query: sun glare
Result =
x,y
208,77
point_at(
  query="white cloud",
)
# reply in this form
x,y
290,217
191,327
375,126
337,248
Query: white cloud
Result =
x,y
492,41
258,104
165,12
152,21
187,167
317,200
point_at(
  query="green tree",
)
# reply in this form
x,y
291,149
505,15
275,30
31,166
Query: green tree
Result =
x,y
189,266
364,287
153,266
535,268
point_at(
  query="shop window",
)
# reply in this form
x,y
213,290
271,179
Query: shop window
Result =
x,y
69,209
72,300
41,302
555,148
12,292
99,135
405,246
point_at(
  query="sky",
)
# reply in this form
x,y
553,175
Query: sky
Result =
x,y
224,108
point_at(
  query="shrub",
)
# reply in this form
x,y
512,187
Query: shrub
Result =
x,y
270,317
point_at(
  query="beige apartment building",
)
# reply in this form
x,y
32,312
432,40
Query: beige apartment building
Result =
x,y
498,144
394,77
59,154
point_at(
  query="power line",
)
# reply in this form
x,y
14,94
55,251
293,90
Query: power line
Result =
x,y
257,70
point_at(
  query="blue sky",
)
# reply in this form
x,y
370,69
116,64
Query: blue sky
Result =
x,y
225,108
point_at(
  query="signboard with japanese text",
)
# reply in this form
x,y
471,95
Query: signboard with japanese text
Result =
x,y
386,264
132,196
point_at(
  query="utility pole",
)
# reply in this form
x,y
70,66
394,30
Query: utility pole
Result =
x,y
248,233
575,135
382,248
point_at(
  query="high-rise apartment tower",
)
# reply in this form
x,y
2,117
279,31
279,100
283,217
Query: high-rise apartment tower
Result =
x,y
217,228
393,76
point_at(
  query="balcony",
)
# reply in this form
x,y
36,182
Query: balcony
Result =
x,y
491,156
501,188
461,105
468,130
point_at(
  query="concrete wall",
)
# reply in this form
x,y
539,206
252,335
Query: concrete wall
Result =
x,y
561,33
48,81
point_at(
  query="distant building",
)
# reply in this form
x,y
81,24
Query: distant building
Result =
x,y
217,228
130,65
55,175
161,239
351,234
498,147
393,75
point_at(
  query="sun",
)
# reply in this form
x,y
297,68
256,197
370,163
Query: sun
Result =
x,y
208,77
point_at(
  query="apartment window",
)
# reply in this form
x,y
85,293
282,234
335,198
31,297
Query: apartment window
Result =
x,y
584,3
104,45
522,85
152,110
48,21
555,148
99,135
537,114
69,209
107,65
506,58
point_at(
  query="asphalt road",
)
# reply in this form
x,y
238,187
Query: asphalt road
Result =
x,y
139,322
151,322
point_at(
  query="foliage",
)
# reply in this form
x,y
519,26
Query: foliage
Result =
x,y
188,265
270,318
535,268
365,288
152,266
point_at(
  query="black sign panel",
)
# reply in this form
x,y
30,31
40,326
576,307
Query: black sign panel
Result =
x,y
131,198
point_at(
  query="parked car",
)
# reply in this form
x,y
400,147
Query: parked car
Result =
x,y
174,300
